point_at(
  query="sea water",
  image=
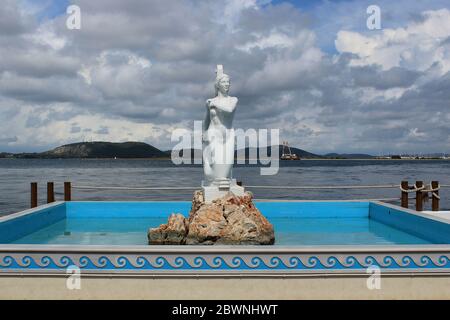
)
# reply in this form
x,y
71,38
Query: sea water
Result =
x,y
16,175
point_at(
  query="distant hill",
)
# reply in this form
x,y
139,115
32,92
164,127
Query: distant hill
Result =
x,y
299,152
195,153
143,150
348,156
99,150
303,154
6,155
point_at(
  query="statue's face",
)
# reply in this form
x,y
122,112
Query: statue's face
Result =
x,y
224,84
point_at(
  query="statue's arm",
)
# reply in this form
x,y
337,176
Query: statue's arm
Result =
x,y
207,120
229,108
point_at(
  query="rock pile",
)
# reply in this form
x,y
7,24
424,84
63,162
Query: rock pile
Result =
x,y
228,220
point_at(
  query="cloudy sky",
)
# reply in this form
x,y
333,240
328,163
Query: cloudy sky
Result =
x,y
136,70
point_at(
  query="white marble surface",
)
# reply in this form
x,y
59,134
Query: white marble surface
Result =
x,y
218,140
218,189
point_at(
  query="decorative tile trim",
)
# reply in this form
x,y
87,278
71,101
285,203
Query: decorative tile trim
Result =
x,y
244,262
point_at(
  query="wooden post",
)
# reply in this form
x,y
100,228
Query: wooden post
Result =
x,y
435,200
67,191
50,192
405,194
34,195
419,196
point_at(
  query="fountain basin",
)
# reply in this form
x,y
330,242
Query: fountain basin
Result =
x,y
310,237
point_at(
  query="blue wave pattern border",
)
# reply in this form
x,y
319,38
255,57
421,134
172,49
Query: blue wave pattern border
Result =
x,y
226,262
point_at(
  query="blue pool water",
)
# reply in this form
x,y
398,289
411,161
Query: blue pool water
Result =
x,y
295,223
289,231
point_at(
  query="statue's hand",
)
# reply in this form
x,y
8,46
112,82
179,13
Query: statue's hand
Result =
x,y
208,103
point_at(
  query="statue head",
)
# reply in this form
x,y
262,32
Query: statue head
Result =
x,y
222,83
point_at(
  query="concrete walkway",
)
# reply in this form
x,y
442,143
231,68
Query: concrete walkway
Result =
x,y
318,287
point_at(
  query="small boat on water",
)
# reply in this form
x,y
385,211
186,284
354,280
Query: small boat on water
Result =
x,y
288,155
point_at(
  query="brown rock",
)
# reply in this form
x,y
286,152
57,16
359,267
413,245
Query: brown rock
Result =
x,y
174,232
207,225
228,220
246,224
197,201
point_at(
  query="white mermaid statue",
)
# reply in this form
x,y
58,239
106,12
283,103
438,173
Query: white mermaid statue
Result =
x,y
218,141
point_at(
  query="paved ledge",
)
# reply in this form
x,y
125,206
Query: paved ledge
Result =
x,y
392,287
439,214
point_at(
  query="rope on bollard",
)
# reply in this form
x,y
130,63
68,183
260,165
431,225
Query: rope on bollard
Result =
x,y
415,189
436,196
424,190
433,191
422,195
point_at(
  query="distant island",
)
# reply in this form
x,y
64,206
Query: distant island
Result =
x,y
96,150
141,150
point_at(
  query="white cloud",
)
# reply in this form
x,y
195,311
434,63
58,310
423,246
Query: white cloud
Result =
x,y
45,35
139,69
232,11
45,126
417,46
275,39
117,73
